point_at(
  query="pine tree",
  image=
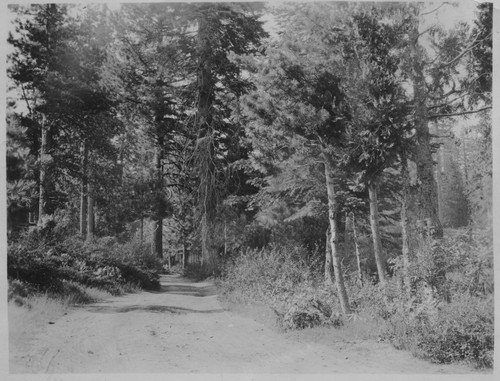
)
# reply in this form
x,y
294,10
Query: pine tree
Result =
x,y
300,108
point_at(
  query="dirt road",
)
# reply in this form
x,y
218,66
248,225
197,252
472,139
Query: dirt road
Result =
x,y
183,329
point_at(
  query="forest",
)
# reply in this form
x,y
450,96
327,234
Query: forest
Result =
x,y
331,160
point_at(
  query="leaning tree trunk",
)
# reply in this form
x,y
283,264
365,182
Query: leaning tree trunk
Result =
x,y
427,196
405,178
334,234
374,224
328,259
44,163
90,213
83,192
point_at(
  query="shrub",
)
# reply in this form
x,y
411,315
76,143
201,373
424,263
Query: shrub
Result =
x,y
19,291
449,317
310,306
47,264
461,330
281,278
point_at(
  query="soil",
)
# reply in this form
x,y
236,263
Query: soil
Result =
x,y
183,328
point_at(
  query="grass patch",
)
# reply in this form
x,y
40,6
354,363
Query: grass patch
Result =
x,y
26,320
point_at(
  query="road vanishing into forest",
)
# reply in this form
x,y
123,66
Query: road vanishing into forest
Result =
x,y
184,329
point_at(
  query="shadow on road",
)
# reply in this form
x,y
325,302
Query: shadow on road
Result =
x,y
150,308
188,290
170,285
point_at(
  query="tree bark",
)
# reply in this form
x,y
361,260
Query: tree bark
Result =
x,y
356,247
427,196
83,192
90,213
374,224
334,234
328,259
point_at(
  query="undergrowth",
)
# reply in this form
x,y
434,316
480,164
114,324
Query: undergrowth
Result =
x,y
43,262
447,316
281,278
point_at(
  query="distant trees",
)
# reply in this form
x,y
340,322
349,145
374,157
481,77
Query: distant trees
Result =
x,y
441,91
55,66
145,72
39,53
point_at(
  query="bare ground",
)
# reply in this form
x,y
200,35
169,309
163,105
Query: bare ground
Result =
x,y
184,329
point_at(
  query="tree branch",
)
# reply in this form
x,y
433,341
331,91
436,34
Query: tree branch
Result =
x,y
434,10
425,31
25,97
448,103
435,116
464,52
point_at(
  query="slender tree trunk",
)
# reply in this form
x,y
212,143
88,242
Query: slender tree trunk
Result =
x,y
31,218
157,244
439,181
206,194
334,234
356,247
427,197
158,221
44,147
44,160
347,236
184,253
328,259
83,209
405,177
185,258
374,224
83,192
90,213
225,238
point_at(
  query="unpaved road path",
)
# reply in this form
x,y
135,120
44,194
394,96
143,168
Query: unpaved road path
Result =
x,y
183,329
